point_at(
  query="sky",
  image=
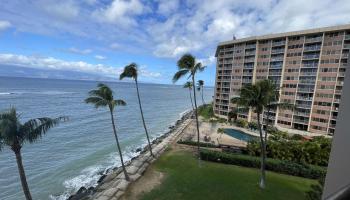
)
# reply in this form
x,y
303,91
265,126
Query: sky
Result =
x,y
95,39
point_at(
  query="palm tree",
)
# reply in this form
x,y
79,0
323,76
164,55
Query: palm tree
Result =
x,y
131,71
188,65
14,134
103,97
189,85
257,98
272,96
200,87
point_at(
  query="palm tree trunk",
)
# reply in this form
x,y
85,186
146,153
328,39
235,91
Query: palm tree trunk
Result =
x,y
202,96
263,157
191,98
22,175
143,119
196,114
119,150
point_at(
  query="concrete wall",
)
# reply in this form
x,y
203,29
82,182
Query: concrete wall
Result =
x,y
338,173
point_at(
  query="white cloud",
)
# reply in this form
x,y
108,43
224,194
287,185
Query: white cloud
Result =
x,y
115,45
4,25
66,10
51,63
167,7
99,57
120,12
79,51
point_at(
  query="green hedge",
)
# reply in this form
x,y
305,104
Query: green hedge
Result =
x,y
193,143
279,166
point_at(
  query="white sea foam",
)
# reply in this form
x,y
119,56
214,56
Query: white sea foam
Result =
x,y
5,93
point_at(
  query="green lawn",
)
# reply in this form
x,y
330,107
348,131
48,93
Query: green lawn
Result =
x,y
185,180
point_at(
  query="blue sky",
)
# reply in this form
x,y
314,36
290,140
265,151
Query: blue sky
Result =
x,y
98,38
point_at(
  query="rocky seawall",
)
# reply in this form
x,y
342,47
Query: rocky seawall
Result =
x,y
112,184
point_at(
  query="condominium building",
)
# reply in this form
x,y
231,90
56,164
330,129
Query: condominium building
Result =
x,y
307,66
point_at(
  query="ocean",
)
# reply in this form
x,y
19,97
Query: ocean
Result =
x,y
73,154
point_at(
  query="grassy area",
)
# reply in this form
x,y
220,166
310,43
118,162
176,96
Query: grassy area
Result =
x,y
185,180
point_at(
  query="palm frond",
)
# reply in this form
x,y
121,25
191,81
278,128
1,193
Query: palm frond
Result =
x,y
8,126
180,74
34,129
198,68
187,61
119,102
130,71
96,101
188,84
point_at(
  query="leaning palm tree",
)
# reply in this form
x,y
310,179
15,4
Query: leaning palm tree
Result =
x,y
189,85
188,65
103,97
131,71
14,134
200,87
256,97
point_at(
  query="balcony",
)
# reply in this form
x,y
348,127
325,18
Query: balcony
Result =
x,y
305,90
250,53
280,43
347,37
341,74
276,66
301,98
247,73
336,100
345,55
248,60
308,73
275,73
250,46
303,114
346,46
275,59
340,83
307,82
315,39
230,55
277,51
301,121
311,57
312,48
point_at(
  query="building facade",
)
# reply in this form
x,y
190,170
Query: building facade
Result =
x,y
307,66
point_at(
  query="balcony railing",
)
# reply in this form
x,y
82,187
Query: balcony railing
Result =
x,y
249,53
316,39
304,98
276,66
281,43
306,57
308,73
247,73
274,73
312,48
310,65
345,55
342,74
346,46
304,114
301,121
308,82
276,59
347,37
277,51
249,60
308,90
228,55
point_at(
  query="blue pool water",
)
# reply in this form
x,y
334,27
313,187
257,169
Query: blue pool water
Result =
x,y
239,135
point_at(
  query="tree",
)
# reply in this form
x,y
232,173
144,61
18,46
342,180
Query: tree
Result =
x,y
188,65
131,71
189,85
103,97
233,114
256,97
14,134
200,87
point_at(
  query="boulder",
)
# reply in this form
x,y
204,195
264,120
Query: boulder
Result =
x,y
132,169
101,178
123,185
102,197
110,192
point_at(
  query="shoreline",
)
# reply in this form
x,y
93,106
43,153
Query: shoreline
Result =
x,y
158,146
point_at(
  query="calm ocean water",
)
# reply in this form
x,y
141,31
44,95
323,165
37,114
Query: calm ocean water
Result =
x,y
71,155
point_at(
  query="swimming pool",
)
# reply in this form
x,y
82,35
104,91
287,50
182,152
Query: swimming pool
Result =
x,y
239,134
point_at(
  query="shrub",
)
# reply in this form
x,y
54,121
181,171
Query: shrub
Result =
x,y
314,152
206,111
193,143
241,123
279,166
296,137
253,125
